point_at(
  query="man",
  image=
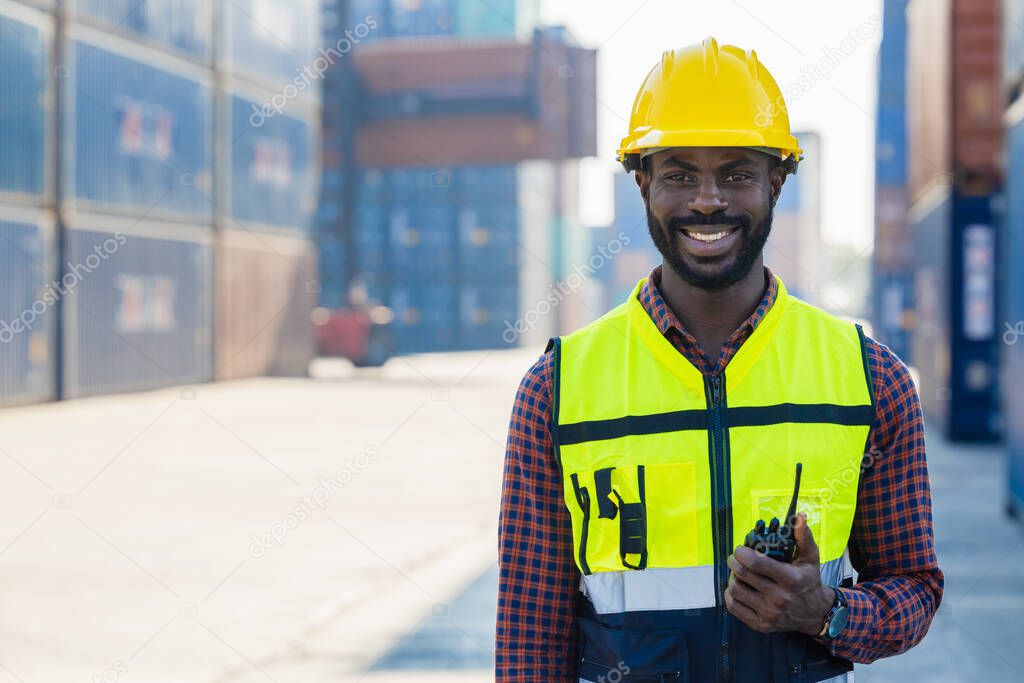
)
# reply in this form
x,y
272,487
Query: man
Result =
x,y
645,446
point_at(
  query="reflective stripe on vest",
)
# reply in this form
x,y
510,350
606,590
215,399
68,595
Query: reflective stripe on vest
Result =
x,y
665,471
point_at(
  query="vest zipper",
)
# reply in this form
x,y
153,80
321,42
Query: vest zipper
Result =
x,y
721,503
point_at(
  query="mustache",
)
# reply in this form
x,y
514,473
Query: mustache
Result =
x,y
682,222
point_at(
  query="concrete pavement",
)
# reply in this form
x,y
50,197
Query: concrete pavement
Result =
x,y
343,529
280,529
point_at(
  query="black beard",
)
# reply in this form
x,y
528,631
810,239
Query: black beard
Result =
x,y
752,241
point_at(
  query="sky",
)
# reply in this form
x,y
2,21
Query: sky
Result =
x,y
797,40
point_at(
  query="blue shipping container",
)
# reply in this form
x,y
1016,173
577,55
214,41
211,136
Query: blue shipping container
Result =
x,y
489,241
27,309
488,313
956,344
179,24
1012,330
272,42
271,174
894,304
25,86
141,314
891,117
146,128
426,316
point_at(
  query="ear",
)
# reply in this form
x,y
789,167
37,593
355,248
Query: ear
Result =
x,y
643,181
776,179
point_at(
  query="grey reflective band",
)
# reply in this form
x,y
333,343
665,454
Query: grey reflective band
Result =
x,y
672,588
659,588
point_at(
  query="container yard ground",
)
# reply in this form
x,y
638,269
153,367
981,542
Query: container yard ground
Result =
x,y
155,536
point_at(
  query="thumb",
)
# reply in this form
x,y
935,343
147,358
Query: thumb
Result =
x,y
806,548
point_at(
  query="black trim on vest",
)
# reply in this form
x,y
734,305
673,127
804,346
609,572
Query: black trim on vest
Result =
x,y
606,508
746,416
867,365
583,498
554,345
613,428
801,413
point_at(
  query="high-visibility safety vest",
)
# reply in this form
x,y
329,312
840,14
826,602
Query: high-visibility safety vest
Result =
x,y
666,470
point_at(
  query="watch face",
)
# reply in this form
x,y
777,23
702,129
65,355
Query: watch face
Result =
x,y
838,622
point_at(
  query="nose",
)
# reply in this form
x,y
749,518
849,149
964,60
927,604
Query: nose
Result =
x,y
708,199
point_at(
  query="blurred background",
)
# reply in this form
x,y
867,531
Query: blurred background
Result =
x,y
271,270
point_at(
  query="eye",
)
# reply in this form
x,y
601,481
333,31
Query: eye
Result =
x,y
737,177
679,177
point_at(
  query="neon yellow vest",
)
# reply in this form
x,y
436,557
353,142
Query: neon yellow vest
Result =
x,y
665,471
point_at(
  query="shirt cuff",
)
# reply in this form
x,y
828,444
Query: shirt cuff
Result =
x,y
861,610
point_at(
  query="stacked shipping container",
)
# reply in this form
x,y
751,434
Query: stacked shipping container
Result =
x,y
436,222
1011,330
28,237
892,265
954,117
117,173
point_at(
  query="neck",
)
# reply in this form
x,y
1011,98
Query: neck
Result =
x,y
713,314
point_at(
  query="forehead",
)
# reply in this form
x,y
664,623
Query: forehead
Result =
x,y
709,157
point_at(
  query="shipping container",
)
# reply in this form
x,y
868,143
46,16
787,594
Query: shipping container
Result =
x,y
956,342
267,286
28,300
425,315
271,180
420,18
476,102
1011,331
140,313
180,25
144,119
274,43
505,18
487,314
891,115
954,103
894,304
26,95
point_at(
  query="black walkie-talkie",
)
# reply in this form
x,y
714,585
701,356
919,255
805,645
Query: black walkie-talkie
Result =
x,y
776,541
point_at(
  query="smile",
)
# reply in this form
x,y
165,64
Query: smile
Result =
x,y
708,236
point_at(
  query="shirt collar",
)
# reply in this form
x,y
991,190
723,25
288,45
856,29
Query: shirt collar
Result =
x,y
653,302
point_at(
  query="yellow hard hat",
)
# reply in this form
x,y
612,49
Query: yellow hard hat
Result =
x,y
708,96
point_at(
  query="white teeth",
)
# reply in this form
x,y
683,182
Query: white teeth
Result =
x,y
708,238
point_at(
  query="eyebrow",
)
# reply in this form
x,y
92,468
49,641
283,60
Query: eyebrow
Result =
x,y
727,166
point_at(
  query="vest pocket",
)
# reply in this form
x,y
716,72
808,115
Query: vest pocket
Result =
x,y
672,514
640,656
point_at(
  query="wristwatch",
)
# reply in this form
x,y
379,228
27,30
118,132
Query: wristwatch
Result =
x,y
835,620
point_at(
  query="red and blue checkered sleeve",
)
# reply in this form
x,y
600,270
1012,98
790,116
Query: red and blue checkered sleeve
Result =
x,y
538,579
899,585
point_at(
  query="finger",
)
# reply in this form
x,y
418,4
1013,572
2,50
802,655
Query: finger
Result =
x,y
806,547
751,598
748,576
779,572
742,612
